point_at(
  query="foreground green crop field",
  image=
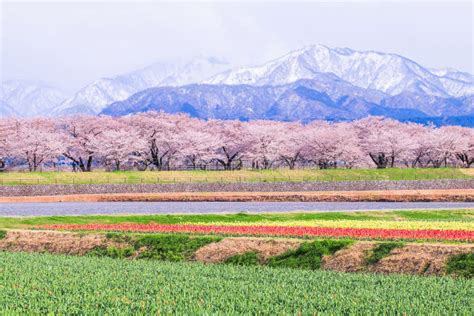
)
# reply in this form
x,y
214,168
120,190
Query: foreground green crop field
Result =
x,y
279,175
42,283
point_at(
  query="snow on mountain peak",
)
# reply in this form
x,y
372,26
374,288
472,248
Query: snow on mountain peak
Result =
x,y
389,73
28,98
95,96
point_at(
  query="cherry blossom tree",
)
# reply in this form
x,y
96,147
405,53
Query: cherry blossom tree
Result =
x,y
383,140
264,148
331,145
463,145
417,146
348,152
439,145
161,132
290,144
7,129
197,145
78,134
165,141
233,141
36,142
119,147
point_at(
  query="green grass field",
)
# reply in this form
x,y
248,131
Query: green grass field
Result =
x,y
54,284
415,215
280,175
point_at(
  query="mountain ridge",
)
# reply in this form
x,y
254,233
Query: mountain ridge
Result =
x,y
95,96
389,73
28,98
303,100
336,79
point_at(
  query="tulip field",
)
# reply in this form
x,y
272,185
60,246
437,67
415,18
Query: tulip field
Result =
x,y
443,225
369,224
357,228
435,234
56,284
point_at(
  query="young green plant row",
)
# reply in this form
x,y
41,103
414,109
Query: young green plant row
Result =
x,y
56,284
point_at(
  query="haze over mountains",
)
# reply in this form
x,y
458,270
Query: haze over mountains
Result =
x,y
28,98
315,82
95,96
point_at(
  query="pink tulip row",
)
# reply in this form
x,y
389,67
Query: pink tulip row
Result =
x,y
363,233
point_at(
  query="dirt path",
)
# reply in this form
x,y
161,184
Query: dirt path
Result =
x,y
465,195
180,208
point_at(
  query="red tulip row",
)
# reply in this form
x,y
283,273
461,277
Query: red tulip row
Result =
x,y
277,230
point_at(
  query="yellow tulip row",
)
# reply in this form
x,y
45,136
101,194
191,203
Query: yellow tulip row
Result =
x,y
412,225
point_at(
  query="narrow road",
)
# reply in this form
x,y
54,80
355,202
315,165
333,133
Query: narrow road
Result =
x,y
91,208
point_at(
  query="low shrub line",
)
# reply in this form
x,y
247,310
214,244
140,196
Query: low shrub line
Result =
x,y
381,251
160,247
461,265
308,255
172,247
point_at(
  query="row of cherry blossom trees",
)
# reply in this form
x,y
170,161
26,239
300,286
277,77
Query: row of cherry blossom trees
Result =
x,y
162,141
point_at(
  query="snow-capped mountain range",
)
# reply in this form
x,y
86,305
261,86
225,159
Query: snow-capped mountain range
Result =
x,y
95,96
324,97
28,98
315,82
389,73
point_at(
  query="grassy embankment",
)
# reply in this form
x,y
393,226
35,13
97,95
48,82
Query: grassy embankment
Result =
x,y
279,175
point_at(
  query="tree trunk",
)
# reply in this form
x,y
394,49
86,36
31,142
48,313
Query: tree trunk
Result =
x,y
380,160
229,159
89,164
465,159
291,161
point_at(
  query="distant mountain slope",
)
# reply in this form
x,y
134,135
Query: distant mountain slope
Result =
x,y
6,110
466,120
453,74
95,96
25,98
388,73
325,97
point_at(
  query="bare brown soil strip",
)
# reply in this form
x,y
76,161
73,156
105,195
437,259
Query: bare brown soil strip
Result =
x,y
350,259
420,259
457,195
50,241
55,242
228,247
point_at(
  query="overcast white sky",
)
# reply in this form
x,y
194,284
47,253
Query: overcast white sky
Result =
x,y
68,44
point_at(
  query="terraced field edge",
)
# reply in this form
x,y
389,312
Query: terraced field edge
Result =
x,y
343,255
